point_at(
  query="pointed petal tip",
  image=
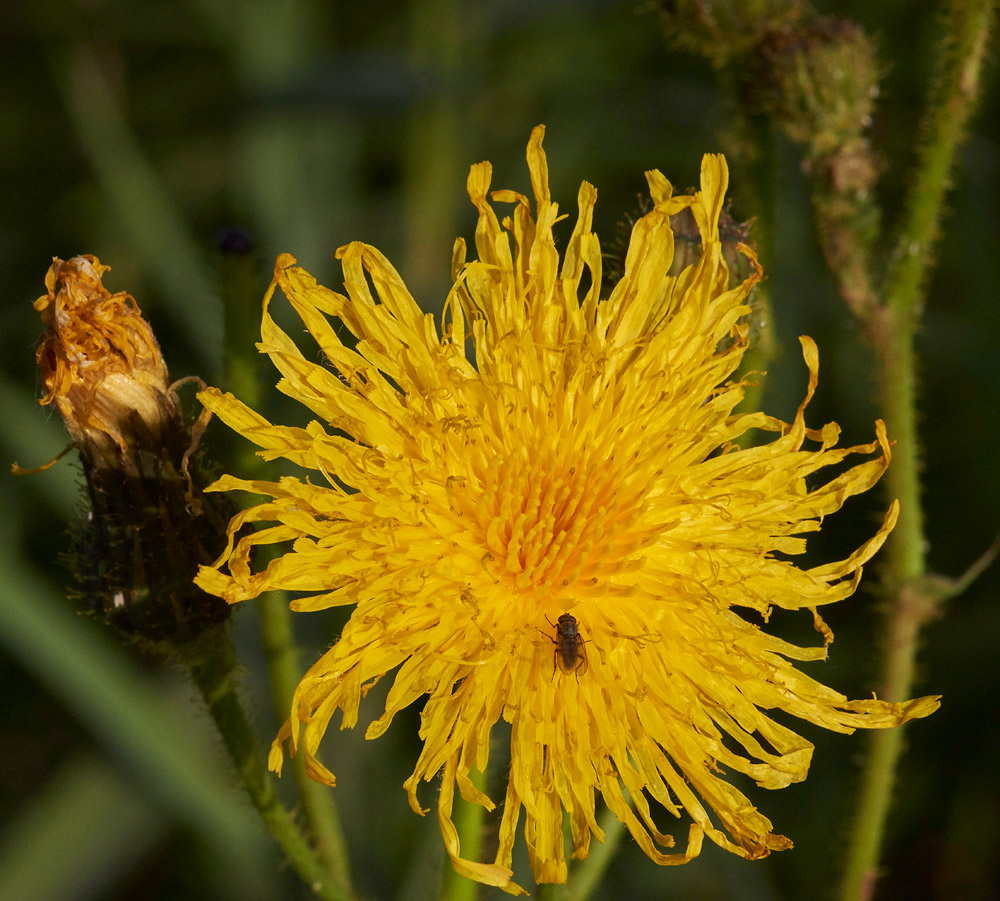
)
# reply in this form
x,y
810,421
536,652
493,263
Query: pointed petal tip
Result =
x,y
918,708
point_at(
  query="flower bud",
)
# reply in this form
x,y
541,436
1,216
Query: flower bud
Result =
x,y
820,80
149,526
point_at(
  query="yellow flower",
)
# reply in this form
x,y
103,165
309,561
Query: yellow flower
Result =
x,y
549,454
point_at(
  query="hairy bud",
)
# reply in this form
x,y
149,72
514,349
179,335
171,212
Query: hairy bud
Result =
x,y
148,526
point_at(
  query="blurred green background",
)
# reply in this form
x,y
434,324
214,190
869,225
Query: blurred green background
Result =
x,y
141,132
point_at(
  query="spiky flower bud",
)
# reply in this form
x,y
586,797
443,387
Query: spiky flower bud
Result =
x,y
149,526
820,81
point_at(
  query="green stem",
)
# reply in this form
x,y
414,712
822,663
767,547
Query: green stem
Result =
x,y
550,892
963,45
212,664
586,875
758,199
318,803
905,564
469,823
239,289
893,328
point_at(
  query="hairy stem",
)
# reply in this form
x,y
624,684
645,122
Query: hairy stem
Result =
x,y
893,327
212,664
963,45
318,804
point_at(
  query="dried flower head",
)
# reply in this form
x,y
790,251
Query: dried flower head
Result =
x,y
100,363
540,515
148,526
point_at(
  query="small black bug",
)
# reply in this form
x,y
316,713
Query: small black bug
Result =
x,y
568,654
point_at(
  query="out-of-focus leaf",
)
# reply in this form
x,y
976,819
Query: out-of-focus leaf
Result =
x,y
77,836
131,716
139,200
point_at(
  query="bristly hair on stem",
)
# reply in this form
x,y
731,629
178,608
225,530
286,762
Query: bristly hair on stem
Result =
x,y
817,79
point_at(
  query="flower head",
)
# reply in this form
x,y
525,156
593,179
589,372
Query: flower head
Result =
x,y
540,515
148,525
100,363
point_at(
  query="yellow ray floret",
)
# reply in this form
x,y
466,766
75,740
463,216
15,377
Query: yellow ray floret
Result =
x,y
550,451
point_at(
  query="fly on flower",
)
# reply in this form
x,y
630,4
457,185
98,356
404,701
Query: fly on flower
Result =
x,y
569,655
584,457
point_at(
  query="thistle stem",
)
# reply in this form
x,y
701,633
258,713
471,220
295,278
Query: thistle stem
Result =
x,y
586,875
963,44
318,804
212,665
894,326
238,282
760,203
469,823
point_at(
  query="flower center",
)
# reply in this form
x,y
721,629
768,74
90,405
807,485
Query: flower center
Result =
x,y
553,521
